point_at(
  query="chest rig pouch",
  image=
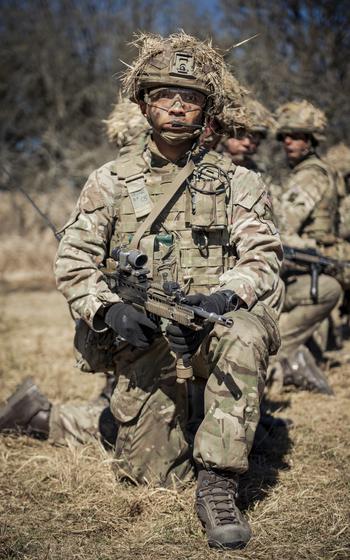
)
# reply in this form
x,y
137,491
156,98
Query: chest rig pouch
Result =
x,y
208,196
144,198
190,241
204,249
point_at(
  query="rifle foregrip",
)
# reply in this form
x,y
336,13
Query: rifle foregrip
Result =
x,y
183,372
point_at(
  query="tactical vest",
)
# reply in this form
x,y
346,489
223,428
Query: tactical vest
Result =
x,y
189,243
321,225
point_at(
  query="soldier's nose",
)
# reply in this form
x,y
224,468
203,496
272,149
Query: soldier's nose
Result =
x,y
176,108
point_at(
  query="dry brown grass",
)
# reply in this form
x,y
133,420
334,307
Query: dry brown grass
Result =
x,y
27,245
64,503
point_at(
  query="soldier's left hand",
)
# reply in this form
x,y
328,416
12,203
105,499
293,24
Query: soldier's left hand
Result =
x,y
220,302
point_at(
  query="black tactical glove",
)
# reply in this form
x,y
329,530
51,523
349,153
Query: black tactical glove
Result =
x,y
220,302
135,327
185,342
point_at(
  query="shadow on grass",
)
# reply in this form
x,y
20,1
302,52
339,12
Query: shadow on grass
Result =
x,y
268,457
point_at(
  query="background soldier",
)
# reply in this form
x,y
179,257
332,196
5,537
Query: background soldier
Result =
x,y
232,119
242,144
216,237
308,219
338,157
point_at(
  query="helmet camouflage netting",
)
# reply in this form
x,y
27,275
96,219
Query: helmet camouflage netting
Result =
x,y
234,114
125,122
261,118
301,116
338,157
178,60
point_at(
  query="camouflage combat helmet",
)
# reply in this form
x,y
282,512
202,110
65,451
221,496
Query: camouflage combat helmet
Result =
x,y
300,116
234,115
125,123
338,157
178,60
261,118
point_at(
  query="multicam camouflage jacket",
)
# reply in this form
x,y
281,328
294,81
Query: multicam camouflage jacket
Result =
x,y
217,233
309,203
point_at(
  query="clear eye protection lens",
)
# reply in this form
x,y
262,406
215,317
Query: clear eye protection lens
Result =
x,y
168,96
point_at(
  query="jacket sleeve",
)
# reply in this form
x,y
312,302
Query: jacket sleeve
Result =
x,y
84,247
255,238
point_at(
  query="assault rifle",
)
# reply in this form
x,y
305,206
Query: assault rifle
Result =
x,y
129,280
315,262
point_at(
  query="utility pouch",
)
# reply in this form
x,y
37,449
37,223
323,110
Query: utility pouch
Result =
x,y
206,205
94,351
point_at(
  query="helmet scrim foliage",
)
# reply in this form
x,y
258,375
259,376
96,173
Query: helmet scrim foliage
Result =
x,y
234,114
261,118
338,157
178,60
125,123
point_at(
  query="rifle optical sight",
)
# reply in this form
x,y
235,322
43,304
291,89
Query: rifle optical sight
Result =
x,y
126,259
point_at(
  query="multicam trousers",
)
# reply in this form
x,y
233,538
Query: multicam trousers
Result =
x,y
157,440
154,443
72,424
301,316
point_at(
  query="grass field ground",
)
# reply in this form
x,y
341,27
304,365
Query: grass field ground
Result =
x,y
63,503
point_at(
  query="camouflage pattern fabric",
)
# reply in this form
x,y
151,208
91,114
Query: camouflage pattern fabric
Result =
x,y
310,214
301,316
151,443
344,218
250,230
340,250
74,424
309,202
338,157
301,116
153,446
308,218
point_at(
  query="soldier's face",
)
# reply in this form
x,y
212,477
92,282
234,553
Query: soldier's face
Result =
x,y
296,145
246,145
171,109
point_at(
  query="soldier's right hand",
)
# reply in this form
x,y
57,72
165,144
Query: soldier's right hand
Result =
x,y
133,326
184,341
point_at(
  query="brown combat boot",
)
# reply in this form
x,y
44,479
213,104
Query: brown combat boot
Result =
x,y
26,411
224,524
300,369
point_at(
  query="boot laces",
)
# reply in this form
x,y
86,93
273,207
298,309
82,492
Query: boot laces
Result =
x,y
221,494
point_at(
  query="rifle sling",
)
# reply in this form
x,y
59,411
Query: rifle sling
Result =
x,y
163,202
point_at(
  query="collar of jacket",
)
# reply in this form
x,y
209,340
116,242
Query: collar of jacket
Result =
x,y
155,159
310,154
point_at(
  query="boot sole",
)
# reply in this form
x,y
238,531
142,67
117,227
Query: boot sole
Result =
x,y
227,546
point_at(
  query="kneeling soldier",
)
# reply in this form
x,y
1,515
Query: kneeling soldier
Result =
x,y
213,235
